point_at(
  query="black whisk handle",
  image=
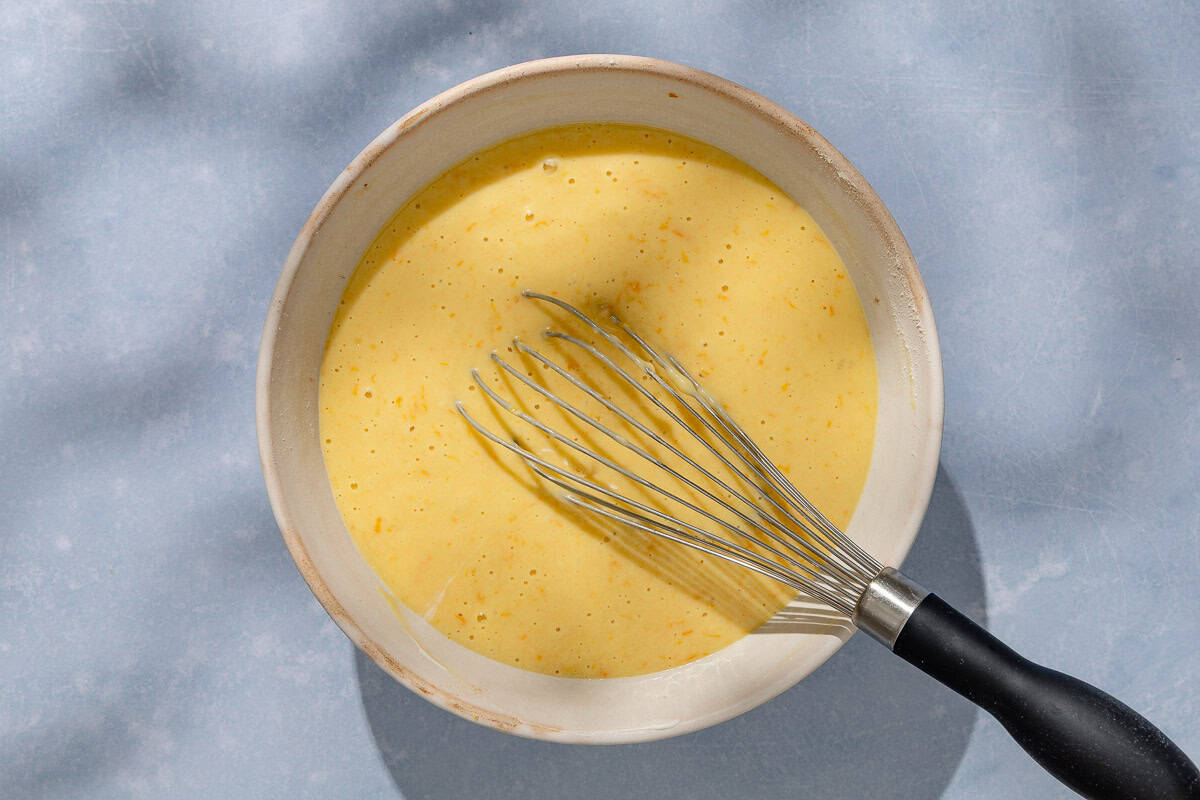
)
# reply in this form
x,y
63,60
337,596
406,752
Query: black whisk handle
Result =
x,y
1089,740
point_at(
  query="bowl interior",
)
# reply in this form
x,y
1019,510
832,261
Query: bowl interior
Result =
x,y
416,150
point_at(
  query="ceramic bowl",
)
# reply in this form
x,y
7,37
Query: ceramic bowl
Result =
x,y
415,150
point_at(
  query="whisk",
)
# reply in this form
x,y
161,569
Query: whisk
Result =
x,y
733,503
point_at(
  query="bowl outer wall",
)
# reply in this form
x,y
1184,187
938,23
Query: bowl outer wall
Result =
x,y
527,97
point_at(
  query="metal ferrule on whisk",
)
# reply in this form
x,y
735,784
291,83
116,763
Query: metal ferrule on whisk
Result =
x,y
888,602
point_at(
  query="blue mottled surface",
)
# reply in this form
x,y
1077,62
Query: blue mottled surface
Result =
x,y
156,162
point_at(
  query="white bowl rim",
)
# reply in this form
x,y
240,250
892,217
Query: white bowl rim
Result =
x,y
869,201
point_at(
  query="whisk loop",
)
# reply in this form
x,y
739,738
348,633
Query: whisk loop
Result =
x,y
767,525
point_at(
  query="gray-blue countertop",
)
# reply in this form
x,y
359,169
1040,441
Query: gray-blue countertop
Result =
x,y
157,161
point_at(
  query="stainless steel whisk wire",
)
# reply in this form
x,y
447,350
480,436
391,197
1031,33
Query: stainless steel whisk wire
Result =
x,y
810,553
1090,741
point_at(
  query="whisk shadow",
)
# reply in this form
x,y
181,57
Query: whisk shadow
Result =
x,y
864,725
804,616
